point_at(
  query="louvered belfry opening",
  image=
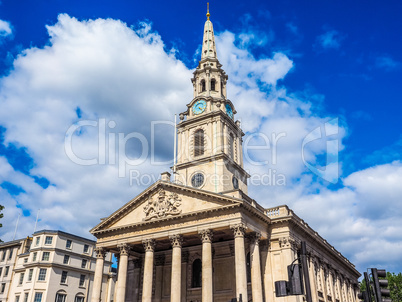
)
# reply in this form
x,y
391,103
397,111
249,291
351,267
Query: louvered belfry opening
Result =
x,y
213,84
199,143
203,86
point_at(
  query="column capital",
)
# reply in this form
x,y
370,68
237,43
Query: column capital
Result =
x,y
149,245
176,240
100,252
123,248
239,229
255,238
206,235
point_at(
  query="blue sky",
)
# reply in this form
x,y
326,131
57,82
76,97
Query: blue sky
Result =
x,y
293,66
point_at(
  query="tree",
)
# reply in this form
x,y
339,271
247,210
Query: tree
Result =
x,y
394,285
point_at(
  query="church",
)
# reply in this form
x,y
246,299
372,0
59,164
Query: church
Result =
x,y
196,235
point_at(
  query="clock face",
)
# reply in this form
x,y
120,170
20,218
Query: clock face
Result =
x,y
229,111
199,107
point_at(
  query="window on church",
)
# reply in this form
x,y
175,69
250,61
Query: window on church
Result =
x,y
197,273
213,82
231,146
198,142
248,267
203,85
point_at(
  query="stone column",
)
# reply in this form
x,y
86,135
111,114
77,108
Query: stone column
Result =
x,y
175,288
256,282
331,282
122,274
149,246
240,262
97,287
207,290
313,281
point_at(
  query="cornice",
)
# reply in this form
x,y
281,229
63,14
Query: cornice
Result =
x,y
220,155
300,224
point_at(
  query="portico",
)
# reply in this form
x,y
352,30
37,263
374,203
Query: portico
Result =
x,y
225,233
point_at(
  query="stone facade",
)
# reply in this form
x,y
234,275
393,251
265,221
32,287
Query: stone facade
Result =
x,y
199,236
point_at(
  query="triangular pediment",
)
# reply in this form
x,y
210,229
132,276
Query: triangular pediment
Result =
x,y
164,200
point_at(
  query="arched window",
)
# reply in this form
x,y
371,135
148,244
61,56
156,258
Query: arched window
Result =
x,y
213,82
202,85
199,143
197,274
79,297
61,296
231,146
248,267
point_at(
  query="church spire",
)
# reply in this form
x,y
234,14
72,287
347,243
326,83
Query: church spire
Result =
x,y
208,42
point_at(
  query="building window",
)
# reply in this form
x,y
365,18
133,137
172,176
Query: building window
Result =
x,y
37,241
199,142
42,274
17,298
202,85
22,275
6,271
1,270
34,256
197,180
197,273
79,298
4,255
61,297
86,248
48,240
213,82
26,260
30,274
3,287
63,277
82,280
84,263
66,259
45,256
26,297
68,244
248,267
10,255
38,297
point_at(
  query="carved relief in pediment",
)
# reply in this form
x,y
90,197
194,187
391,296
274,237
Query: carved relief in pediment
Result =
x,y
162,205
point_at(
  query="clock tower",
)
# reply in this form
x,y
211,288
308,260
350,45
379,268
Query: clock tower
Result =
x,y
210,155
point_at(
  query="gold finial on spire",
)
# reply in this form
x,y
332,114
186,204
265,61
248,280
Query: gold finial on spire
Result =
x,y
208,14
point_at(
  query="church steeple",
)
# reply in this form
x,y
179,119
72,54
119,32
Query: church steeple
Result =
x,y
208,42
210,155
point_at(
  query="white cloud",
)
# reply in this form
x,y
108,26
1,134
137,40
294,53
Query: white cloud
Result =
x,y
5,28
387,63
330,40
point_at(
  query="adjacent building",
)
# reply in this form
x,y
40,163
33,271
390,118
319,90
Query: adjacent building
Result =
x,y
53,266
197,235
9,252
